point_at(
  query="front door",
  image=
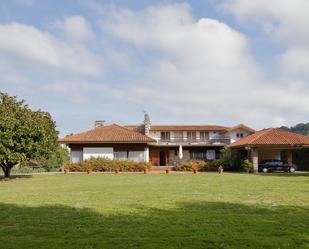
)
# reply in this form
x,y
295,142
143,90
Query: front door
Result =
x,y
162,158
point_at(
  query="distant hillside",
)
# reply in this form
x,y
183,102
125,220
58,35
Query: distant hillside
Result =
x,y
299,128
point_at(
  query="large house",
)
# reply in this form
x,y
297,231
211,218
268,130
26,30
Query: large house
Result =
x,y
158,144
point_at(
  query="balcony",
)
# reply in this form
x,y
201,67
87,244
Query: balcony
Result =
x,y
217,140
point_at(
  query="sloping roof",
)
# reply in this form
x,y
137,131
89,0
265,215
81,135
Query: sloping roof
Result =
x,y
241,127
110,133
271,136
181,127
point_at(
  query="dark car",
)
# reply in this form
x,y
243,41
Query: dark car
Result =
x,y
276,165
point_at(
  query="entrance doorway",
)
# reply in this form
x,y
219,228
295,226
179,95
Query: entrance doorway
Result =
x,y
162,158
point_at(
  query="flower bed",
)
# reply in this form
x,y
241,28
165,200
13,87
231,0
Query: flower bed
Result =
x,y
106,165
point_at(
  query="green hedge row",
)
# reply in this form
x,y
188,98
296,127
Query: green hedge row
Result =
x,y
190,165
101,164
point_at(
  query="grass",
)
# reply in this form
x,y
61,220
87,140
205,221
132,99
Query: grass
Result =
x,y
155,211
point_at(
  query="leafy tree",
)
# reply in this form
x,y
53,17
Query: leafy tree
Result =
x,y
24,134
60,157
300,128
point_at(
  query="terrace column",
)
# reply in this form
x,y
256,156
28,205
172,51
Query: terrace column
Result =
x,y
146,154
289,156
255,159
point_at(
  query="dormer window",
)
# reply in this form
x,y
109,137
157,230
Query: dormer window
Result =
x,y
239,135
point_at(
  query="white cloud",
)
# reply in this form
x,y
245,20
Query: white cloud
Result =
x,y
203,68
74,27
180,69
296,61
24,44
285,22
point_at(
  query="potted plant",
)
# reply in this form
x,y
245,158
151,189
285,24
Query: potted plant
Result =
x,y
220,169
247,166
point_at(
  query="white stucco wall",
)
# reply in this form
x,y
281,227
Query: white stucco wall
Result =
x,y
233,134
107,152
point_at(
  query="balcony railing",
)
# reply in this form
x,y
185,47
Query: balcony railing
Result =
x,y
217,140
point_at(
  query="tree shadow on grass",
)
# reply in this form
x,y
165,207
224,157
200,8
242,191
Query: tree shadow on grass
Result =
x,y
15,177
189,225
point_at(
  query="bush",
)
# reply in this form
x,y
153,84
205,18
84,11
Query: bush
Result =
x,y
25,169
191,165
247,165
101,164
56,160
219,163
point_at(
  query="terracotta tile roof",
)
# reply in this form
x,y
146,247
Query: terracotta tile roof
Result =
x,y
182,127
271,136
110,133
242,127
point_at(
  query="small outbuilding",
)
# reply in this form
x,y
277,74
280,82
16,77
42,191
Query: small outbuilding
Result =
x,y
271,143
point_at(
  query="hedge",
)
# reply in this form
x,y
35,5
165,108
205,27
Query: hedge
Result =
x,y
101,164
191,165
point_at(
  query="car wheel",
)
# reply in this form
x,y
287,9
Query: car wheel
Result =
x,y
292,170
265,170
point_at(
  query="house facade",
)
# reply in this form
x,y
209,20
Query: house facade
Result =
x,y
158,144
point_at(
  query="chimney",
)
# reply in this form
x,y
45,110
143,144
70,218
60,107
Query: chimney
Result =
x,y
146,123
99,123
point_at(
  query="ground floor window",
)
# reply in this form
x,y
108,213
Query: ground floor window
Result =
x,y
211,154
136,156
198,155
204,155
121,155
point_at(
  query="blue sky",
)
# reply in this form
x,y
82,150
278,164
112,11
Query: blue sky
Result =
x,y
192,62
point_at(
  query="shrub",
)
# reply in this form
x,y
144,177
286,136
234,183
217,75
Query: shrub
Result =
x,y
101,164
247,165
25,169
192,164
219,163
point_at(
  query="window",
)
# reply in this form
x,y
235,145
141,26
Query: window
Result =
x,y
136,156
165,135
204,135
198,155
121,155
211,154
239,135
178,135
191,135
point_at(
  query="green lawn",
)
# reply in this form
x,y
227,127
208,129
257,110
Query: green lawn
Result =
x,y
155,211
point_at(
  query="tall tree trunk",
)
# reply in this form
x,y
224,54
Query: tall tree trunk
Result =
x,y
6,170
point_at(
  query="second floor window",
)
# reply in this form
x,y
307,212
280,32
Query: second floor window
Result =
x,y
204,135
239,135
178,135
165,135
191,135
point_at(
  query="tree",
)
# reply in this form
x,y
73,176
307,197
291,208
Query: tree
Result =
x,y
60,157
24,134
